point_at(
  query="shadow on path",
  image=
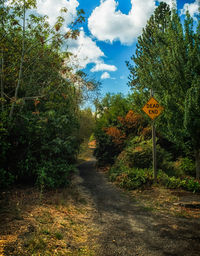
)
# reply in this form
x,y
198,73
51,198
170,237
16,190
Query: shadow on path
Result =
x,y
128,229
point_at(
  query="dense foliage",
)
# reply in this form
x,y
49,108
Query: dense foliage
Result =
x,y
167,60
110,140
40,97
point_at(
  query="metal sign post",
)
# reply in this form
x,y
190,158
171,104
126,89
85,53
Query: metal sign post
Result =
x,y
153,109
154,151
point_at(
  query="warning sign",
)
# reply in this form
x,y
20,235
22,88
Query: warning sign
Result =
x,y
152,108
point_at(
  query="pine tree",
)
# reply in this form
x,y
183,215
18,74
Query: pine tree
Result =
x,y
167,60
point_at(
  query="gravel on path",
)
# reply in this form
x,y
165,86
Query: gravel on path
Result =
x,y
128,229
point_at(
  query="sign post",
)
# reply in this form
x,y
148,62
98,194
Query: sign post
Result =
x,y
153,109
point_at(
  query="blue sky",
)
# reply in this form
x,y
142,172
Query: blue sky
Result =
x,y
109,35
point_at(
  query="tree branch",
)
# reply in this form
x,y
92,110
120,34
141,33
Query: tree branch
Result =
x,y
21,63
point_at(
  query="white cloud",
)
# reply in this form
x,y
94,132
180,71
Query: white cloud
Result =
x,y
84,49
193,8
171,3
51,8
100,66
107,23
105,75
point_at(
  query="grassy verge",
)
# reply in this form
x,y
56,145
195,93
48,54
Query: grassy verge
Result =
x,y
166,196
54,223
167,201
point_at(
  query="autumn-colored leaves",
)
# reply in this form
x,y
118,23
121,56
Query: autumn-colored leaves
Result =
x,y
132,124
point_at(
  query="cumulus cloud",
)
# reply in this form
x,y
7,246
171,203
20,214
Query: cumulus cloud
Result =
x,y
52,8
100,66
193,8
171,3
107,23
105,75
85,50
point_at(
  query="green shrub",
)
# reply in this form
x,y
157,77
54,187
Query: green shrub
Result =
x,y
134,178
106,151
187,166
187,183
138,154
130,178
190,184
6,178
54,174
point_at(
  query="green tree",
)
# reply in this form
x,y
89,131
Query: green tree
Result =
x,y
167,61
87,123
40,98
108,110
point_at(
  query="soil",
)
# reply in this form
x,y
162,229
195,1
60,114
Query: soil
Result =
x,y
123,226
94,217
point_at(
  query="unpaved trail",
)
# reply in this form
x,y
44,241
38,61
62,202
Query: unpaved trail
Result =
x,y
126,228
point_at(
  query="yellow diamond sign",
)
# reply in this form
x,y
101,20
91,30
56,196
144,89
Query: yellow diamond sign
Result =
x,y
152,108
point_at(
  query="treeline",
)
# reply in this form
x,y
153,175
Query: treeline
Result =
x,y
167,61
40,97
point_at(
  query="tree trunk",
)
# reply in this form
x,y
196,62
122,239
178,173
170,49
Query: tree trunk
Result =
x,y
197,159
21,64
2,87
2,64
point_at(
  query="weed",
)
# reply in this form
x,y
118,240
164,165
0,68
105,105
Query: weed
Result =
x,y
147,208
45,232
35,244
59,236
45,218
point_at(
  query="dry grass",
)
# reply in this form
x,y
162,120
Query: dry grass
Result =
x,y
54,223
167,201
86,153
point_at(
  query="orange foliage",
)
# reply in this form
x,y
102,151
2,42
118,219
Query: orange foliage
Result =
x,y
131,120
117,135
64,96
36,102
36,113
146,132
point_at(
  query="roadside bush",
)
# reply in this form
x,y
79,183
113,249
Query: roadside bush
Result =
x,y
106,151
187,183
186,166
6,179
138,154
54,174
190,184
134,178
130,178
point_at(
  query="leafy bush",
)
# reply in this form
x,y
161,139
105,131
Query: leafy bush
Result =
x,y
130,178
106,151
190,184
187,166
138,154
53,174
134,178
6,179
187,183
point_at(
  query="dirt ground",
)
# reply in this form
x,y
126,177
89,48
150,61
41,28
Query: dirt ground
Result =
x,y
95,218
127,227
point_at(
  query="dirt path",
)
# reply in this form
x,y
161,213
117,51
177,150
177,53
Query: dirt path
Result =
x,y
123,227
